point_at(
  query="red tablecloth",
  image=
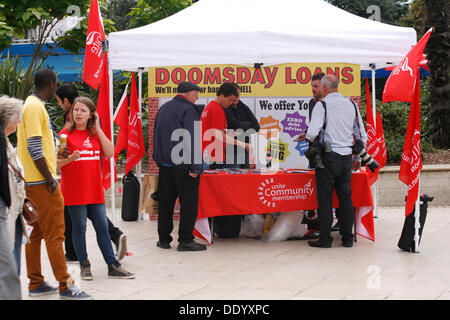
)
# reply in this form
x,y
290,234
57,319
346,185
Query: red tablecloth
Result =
x,y
233,194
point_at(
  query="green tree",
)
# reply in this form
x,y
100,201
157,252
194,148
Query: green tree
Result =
x,y
422,15
390,10
149,11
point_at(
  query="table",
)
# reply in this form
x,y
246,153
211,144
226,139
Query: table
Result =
x,y
257,193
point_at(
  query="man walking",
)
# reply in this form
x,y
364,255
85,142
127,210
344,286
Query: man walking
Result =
x,y
36,150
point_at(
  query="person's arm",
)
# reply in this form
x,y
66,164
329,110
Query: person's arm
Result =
x,y
107,145
74,156
37,155
196,165
234,123
223,137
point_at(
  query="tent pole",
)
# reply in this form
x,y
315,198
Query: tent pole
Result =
x,y
139,165
374,113
111,160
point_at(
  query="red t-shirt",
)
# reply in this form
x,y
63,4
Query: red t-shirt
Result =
x,y
81,180
213,117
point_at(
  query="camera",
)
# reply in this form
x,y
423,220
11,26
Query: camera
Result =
x,y
314,153
367,160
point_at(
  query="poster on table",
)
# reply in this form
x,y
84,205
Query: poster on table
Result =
x,y
278,95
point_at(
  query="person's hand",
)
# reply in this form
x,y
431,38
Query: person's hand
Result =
x,y
356,165
193,175
64,153
75,155
97,121
301,137
249,148
51,185
253,166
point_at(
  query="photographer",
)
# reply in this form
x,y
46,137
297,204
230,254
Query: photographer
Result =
x,y
338,122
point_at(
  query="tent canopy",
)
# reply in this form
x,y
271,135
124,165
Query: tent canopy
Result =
x,y
245,32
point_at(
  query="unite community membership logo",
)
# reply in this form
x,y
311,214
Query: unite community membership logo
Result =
x,y
270,192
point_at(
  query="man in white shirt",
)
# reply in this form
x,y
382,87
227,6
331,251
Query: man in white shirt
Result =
x,y
339,132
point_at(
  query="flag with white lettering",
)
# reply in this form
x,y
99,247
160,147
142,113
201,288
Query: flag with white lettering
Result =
x,y
372,145
411,162
135,147
121,119
400,85
93,58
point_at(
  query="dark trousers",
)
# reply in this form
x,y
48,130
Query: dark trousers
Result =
x,y
113,231
337,174
175,182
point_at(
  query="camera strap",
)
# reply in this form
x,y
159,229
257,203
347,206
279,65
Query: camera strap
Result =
x,y
322,132
356,119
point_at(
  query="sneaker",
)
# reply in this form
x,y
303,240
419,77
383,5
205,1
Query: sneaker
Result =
x,y
43,290
117,272
163,245
75,293
190,246
122,247
85,271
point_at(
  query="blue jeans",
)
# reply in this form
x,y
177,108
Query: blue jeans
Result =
x,y
97,214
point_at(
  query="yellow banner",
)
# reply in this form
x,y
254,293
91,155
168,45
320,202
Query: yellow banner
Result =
x,y
285,80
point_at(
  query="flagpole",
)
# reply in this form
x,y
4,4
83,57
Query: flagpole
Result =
x,y
375,184
139,165
417,218
111,160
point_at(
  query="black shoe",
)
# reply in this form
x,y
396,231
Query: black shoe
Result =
x,y
163,245
347,244
190,246
71,259
319,244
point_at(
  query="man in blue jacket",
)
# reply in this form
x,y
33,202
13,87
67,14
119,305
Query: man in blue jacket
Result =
x,y
177,152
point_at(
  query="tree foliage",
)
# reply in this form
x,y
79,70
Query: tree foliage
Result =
x,y
390,10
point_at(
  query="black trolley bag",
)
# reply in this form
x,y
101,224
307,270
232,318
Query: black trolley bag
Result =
x,y
130,197
406,241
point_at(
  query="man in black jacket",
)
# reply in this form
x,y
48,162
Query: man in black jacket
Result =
x,y
240,117
180,165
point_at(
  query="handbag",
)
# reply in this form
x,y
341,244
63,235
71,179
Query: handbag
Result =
x,y
29,212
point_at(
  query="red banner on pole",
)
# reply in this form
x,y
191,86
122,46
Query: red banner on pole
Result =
x,y
136,147
93,62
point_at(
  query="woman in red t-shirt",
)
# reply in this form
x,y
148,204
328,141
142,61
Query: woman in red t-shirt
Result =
x,y
82,188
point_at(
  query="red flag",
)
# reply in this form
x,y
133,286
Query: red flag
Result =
x,y
372,145
105,117
400,84
121,119
381,141
92,70
136,148
411,163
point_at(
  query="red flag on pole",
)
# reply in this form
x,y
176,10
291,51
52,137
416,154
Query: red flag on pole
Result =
x,y
135,148
372,145
92,70
105,117
411,163
400,84
121,119
381,141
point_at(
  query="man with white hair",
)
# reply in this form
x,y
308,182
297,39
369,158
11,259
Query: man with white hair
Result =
x,y
337,115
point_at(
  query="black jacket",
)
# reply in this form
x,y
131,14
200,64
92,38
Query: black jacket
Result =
x,y
4,182
241,117
178,113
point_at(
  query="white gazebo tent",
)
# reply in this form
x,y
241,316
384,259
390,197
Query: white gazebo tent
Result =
x,y
245,32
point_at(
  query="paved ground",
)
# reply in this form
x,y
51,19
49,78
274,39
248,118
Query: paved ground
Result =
x,y
255,269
